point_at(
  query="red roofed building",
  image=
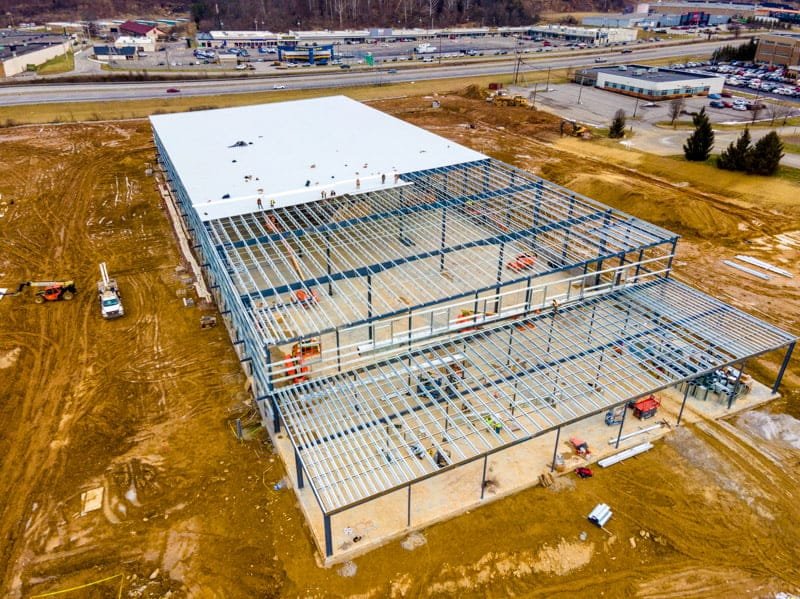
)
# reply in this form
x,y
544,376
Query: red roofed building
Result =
x,y
138,30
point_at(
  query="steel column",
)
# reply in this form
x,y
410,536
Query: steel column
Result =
x,y
784,365
621,424
555,449
326,521
276,419
683,403
483,476
298,463
732,394
408,509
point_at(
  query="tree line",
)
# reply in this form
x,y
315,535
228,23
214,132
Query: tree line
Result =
x,y
745,52
282,15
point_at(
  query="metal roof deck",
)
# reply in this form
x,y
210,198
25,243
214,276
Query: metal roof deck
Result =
x,y
438,237
365,433
288,153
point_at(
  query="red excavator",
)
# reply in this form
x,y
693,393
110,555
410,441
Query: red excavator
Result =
x,y
51,290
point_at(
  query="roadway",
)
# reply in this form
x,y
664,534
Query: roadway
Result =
x,y
98,92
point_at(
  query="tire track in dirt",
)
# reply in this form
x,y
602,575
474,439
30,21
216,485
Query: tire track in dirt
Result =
x,y
45,413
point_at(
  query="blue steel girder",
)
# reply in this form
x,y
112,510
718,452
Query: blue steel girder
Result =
x,y
465,294
379,267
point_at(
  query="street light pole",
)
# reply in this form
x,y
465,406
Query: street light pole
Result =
x,y
580,91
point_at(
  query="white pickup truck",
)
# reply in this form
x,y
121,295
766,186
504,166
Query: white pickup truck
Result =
x,y
108,293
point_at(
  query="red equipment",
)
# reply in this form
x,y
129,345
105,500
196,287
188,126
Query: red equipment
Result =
x,y
584,472
306,298
296,369
646,408
522,262
581,447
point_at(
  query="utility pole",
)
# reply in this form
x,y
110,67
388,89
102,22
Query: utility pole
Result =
x,y
635,106
580,91
547,85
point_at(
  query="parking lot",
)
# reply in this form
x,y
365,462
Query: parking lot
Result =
x,y
765,81
596,107
177,56
649,121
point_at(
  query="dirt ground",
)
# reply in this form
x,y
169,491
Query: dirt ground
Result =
x,y
145,406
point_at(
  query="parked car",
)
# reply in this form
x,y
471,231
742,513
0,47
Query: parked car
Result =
x,y
716,104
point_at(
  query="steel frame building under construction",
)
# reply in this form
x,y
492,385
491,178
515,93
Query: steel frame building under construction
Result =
x,y
410,312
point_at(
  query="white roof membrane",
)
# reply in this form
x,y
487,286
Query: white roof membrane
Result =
x,y
290,153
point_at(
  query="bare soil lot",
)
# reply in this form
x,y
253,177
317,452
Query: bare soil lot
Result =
x,y
144,406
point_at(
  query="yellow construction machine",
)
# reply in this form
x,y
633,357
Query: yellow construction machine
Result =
x,y
575,129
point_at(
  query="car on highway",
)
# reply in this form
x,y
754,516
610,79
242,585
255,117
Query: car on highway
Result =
x,y
278,86
600,59
627,51
173,90
344,66
392,71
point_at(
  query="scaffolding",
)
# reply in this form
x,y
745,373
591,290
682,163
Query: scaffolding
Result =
x,y
416,328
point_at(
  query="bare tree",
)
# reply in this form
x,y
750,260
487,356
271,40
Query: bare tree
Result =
x,y
675,108
756,107
779,110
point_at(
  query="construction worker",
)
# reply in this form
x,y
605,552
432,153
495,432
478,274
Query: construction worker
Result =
x,y
258,203
383,179
494,424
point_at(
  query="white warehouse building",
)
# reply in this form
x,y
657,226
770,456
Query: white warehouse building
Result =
x,y
650,82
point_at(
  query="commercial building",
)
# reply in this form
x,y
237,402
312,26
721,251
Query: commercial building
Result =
x,y
136,29
779,49
258,39
112,53
727,9
141,44
651,83
420,323
591,36
310,53
22,51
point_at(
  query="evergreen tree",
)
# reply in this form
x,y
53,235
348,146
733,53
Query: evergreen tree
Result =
x,y
737,156
617,128
766,155
698,145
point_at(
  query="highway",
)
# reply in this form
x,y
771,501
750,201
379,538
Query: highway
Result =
x,y
95,92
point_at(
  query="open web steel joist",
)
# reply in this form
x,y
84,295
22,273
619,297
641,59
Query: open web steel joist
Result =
x,y
441,234
366,433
